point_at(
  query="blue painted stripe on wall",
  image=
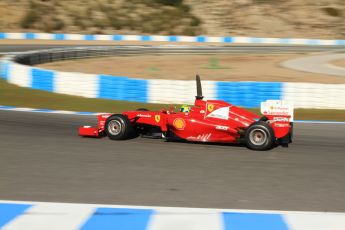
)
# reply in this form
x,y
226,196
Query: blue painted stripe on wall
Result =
x,y
42,79
136,90
146,38
2,35
59,36
338,42
201,39
89,37
117,37
4,70
30,36
253,221
228,39
8,212
111,87
118,218
122,88
248,94
172,38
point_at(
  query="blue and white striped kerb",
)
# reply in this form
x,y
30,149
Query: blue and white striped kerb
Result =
x,y
245,94
40,215
160,38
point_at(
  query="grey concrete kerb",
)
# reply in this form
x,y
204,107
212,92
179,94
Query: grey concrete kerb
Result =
x,y
317,64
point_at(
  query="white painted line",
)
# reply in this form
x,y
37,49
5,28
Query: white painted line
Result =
x,y
315,221
185,220
176,209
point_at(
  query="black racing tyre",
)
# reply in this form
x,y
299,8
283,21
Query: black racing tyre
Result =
x,y
142,109
259,136
291,132
118,127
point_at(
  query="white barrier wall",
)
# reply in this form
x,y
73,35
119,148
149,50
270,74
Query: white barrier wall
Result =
x,y
245,94
160,38
312,95
178,91
20,75
78,84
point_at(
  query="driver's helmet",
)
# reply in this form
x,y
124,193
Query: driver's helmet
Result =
x,y
185,108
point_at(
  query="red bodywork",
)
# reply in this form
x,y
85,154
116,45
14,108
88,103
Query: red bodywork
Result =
x,y
208,121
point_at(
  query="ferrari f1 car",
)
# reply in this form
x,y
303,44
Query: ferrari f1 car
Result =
x,y
207,121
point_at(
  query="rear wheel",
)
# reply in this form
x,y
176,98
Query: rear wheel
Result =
x,y
118,127
259,136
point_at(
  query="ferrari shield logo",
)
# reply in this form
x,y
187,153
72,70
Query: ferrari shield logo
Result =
x,y
210,107
157,118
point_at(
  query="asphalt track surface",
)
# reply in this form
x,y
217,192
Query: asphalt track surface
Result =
x,y
317,64
43,159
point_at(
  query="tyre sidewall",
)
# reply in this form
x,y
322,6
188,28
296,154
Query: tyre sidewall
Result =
x,y
264,127
124,132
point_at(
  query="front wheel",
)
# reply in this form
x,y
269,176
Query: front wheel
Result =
x,y
118,127
259,136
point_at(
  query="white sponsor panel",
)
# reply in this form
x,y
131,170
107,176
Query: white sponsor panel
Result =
x,y
20,75
78,84
277,107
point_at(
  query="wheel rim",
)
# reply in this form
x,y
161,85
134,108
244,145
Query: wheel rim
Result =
x,y
114,127
258,137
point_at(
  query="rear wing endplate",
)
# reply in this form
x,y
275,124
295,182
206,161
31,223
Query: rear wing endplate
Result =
x,y
277,108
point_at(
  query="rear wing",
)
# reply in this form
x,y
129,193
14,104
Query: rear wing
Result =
x,y
277,108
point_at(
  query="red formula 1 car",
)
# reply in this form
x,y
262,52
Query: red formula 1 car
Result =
x,y
207,121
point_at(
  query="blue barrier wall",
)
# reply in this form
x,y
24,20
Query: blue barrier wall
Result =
x,y
42,79
244,94
122,88
248,94
4,70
